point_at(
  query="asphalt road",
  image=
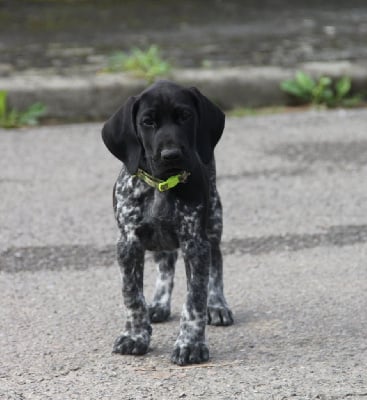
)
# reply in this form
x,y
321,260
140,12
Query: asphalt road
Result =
x,y
295,250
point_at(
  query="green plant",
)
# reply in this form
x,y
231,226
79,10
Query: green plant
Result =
x,y
15,119
144,64
323,91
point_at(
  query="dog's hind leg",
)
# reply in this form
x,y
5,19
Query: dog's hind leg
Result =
x,y
218,311
160,308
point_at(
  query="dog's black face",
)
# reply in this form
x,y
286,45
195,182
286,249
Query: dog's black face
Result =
x,y
166,129
166,125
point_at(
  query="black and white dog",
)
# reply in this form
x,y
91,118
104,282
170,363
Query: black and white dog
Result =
x,y
165,199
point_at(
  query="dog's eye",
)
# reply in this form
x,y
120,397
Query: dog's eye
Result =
x,y
149,122
184,115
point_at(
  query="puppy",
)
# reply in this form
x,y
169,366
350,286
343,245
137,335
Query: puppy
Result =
x,y
165,199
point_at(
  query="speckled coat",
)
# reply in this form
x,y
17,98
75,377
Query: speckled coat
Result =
x,y
187,217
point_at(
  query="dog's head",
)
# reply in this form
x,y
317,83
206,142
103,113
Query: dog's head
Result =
x,y
166,128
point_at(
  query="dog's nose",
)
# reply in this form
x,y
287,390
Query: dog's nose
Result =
x,y
171,154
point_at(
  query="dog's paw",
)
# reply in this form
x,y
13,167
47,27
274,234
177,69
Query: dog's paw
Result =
x,y
137,344
190,353
219,316
159,313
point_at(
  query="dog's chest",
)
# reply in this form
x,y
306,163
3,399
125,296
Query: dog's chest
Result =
x,y
159,220
160,225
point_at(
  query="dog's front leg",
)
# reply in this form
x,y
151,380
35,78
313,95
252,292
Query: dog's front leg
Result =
x,y
190,346
160,308
135,338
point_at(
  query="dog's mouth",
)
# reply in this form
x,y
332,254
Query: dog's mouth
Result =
x,y
164,170
167,173
173,171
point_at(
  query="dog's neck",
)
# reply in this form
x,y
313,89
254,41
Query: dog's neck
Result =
x,y
194,189
160,184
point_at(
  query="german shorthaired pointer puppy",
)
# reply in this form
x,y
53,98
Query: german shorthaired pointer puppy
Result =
x,y
165,199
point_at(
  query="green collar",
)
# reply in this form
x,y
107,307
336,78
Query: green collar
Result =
x,y
159,184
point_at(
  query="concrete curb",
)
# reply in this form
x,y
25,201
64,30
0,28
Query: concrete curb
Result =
x,y
97,96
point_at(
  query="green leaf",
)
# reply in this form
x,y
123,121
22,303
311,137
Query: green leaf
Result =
x,y
11,120
147,64
32,114
321,92
324,81
292,87
305,81
3,95
328,98
343,86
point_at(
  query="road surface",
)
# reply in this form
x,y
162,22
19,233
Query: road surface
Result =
x,y
294,192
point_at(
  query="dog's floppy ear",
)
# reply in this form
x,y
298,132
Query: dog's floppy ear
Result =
x,y
120,137
211,125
